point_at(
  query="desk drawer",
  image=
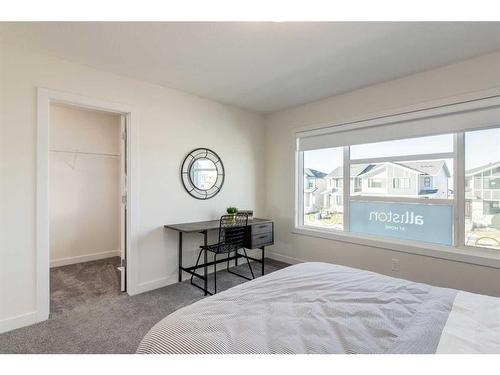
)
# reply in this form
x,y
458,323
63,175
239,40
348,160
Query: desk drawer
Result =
x,y
262,228
262,239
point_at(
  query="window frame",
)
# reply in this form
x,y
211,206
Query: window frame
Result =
x,y
459,251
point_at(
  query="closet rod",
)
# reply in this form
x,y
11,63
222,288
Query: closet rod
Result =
x,y
85,153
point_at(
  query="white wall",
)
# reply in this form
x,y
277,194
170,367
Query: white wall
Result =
x,y
458,80
169,124
84,189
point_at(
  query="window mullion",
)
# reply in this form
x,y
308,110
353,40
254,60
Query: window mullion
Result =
x,y
459,187
346,186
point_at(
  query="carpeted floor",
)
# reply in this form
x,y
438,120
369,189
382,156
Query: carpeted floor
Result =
x,y
90,315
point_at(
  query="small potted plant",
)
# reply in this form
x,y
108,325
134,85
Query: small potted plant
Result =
x,y
232,211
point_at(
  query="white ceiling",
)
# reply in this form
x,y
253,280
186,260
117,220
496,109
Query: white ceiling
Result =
x,y
260,66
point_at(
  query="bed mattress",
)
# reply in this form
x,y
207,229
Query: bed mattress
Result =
x,y
326,308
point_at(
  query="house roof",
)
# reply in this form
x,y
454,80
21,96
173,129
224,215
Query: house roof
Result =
x,y
313,173
428,167
312,190
481,168
336,173
425,167
356,170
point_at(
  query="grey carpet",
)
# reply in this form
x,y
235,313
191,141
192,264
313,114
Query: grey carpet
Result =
x,y
90,315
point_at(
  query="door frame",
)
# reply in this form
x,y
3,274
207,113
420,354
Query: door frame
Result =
x,y
45,97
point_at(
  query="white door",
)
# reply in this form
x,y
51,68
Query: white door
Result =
x,y
123,205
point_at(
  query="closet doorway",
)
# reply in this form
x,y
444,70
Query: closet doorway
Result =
x,y
87,204
127,197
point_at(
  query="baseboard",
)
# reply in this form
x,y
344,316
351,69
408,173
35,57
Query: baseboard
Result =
x,y
84,258
283,258
155,284
161,282
19,321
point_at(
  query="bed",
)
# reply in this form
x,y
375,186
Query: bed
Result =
x,y
326,308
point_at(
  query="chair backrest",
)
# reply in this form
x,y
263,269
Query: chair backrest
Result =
x,y
232,230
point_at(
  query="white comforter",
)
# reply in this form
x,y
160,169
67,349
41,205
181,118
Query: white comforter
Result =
x,y
325,308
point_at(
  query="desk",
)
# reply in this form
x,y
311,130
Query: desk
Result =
x,y
260,233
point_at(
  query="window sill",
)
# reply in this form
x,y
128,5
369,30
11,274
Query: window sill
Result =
x,y
478,256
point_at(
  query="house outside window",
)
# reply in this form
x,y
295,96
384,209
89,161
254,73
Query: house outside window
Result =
x,y
314,186
324,167
482,197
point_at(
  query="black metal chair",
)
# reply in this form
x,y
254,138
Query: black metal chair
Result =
x,y
232,232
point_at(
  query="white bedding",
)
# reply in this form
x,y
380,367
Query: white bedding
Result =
x,y
473,325
326,308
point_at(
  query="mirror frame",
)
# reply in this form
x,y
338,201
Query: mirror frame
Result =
x,y
187,165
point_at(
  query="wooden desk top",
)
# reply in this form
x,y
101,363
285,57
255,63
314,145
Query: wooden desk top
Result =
x,y
201,226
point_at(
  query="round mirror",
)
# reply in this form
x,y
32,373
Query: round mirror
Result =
x,y
202,173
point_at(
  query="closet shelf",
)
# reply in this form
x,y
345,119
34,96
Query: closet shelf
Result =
x,y
85,153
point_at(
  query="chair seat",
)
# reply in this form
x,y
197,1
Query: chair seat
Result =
x,y
219,248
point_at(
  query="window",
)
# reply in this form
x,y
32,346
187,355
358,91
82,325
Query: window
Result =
x,y
401,174
482,198
386,206
400,183
357,184
375,183
389,196
493,183
413,189
337,183
491,207
427,182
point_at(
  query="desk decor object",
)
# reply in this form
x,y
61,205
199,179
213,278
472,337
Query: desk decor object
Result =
x,y
202,173
231,210
231,213
248,212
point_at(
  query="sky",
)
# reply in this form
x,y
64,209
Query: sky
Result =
x,y
482,147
